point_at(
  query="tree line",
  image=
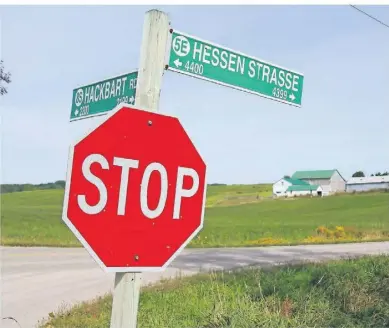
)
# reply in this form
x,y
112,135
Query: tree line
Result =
x,y
361,174
7,188
5,78
60,184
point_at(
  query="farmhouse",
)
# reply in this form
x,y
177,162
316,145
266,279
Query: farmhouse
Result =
x,y
281,186
288,187
367,183
329,180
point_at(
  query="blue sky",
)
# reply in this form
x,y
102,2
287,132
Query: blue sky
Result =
x,y
343,121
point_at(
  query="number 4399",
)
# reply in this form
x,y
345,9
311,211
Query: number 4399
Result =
x,y
278,93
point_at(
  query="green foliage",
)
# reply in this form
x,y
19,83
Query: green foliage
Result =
x,y
358,174
349,293
5,77
379,174
8,188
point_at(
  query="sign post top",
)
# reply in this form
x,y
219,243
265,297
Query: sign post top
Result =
x,y
205,60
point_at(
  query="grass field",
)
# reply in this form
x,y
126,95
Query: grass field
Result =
x,y
349,293
34,218
298,220
236,194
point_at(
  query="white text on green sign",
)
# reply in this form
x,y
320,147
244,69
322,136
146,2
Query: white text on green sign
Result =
x,y
208,61
101,97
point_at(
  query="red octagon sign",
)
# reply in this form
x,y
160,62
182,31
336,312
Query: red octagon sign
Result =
x,y
135,190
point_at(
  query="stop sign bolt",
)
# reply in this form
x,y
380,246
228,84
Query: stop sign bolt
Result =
x,y
150,123
136,257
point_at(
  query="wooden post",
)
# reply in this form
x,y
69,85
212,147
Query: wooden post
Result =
x,y
125,300
150,72
152,60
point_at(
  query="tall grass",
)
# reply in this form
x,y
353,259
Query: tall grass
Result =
x,y
349,293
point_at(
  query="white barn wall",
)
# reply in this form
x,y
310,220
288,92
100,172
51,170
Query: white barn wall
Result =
x,y
324,183
367,187
337,183
299,193
367,183
304,193
279,188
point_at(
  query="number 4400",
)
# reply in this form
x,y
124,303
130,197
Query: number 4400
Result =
x,y
278,93
194,67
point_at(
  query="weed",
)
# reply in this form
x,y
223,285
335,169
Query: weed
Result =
x,y
348,293
267,241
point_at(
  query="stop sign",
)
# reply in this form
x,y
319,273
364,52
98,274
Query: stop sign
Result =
x,y
135,190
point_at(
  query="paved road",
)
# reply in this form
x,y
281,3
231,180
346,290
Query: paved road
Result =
x,y
36,281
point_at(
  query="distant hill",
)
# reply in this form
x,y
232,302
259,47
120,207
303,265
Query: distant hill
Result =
x,y
60,184
8,188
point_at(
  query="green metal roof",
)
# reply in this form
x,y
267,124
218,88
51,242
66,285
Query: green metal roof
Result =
x,y
321,174
303,188
296,182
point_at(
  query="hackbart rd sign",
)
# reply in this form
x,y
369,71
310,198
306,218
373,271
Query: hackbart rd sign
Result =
x,y
101,97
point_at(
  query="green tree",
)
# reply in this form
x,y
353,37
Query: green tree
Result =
x,y
379,174
6,188
5,77
60,183
358,174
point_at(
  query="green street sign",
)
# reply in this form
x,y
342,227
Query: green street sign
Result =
x,y
205,60
101,97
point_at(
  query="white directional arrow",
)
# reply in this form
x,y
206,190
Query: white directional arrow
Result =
x,y
132,99
177,62
76,112
292,97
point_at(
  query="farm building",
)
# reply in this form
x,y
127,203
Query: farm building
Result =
x,y
281,186
303,190
329,180
367,183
